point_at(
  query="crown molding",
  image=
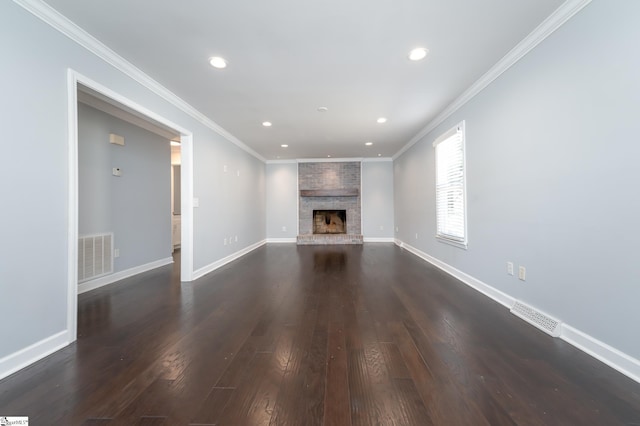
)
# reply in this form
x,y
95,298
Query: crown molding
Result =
x,y
65,26
329,160
377,159
293,161
561,15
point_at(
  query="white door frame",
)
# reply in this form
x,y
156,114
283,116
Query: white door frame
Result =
x,y
186,188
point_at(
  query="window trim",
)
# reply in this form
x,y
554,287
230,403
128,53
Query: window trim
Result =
x,y
444,238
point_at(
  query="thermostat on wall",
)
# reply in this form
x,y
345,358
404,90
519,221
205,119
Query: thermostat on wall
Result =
x,y
116,139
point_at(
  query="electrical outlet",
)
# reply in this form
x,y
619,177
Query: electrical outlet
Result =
x,y
116,252
416,235
236,238
284,229
522,273
510,268
381,228
238,173
224,168
225,241
396,229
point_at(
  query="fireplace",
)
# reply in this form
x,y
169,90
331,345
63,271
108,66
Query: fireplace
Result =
x,y
329,221
328,193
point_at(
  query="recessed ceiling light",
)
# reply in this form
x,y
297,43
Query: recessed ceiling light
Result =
x,y
418,53
328,156
284,145
218,62
266,124
174,143
381,120
368,143
323,109
379,155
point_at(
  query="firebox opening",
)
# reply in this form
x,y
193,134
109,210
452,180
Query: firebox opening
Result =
x,y
329,221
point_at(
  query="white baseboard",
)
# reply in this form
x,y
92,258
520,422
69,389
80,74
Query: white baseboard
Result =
x,y
110,279
281,240
495,294
24,357
219,263
611,356
378,240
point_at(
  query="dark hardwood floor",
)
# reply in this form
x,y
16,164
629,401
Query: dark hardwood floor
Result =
x,y
313,335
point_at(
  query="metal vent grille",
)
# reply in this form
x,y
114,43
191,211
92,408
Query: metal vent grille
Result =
x,y
537,318
95,256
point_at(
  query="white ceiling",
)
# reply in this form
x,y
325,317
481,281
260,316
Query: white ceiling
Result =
x,y
289,57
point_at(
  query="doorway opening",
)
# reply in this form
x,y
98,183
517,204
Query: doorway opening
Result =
x,y
81,88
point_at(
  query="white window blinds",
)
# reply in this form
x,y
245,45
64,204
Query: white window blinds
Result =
x,y
450,186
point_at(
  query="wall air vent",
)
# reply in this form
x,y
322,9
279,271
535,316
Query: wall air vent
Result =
x,y
536,318
95,256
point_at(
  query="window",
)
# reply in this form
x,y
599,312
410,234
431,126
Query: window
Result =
x,y
450,187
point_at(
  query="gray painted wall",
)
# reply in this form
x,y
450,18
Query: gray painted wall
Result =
x,y
552,179
136,207
33,277
282,200
377,199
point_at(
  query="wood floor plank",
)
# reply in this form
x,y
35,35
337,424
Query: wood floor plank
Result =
x,y
337,410
393,359
211,409
410,405
97,422
364,410
290,402
313,335
238,408
152,421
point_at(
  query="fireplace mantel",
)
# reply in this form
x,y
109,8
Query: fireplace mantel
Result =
x,y
344,192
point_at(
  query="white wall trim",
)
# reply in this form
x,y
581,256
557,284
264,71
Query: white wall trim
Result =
x,y
377,160
298,199
329,160
72,206
609,355
561,15
127,273
379,240
363,216
27,356
219,263
495,294
281,161
281,240
186,207
61,23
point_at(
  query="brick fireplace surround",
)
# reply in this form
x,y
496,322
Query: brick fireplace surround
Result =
x,y
329,186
